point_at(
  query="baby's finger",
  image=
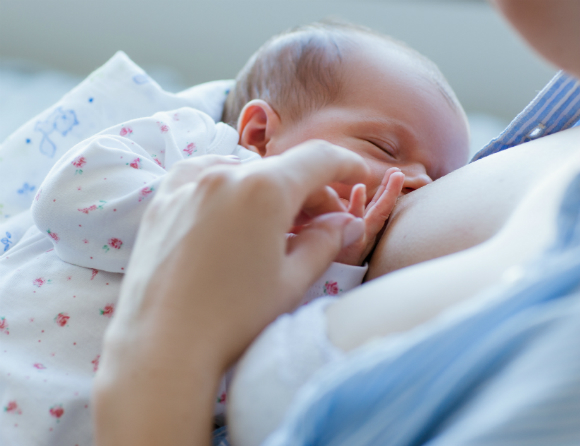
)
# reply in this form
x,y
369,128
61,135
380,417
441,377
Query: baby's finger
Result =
x,y
377,215
187,170
382,186
358,199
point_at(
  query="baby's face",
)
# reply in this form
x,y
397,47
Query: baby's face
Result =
x,y
392,115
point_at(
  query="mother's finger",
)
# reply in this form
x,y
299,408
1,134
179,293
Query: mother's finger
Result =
x,y
323,201
187,170
311,251
310,166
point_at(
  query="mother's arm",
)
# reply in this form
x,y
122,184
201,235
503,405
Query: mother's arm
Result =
x,y
483,196
211,268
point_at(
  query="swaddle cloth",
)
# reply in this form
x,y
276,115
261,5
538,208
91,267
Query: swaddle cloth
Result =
x,y
60,276
284,357
59,283
117,92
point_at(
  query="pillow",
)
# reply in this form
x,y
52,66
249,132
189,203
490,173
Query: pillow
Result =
x,y
118,91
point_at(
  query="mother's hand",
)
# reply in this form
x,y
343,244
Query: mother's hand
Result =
x,y
211,267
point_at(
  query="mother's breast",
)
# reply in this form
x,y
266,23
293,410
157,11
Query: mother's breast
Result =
x,y
467,206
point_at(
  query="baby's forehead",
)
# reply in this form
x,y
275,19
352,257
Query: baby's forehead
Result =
x,y
397,57
378,60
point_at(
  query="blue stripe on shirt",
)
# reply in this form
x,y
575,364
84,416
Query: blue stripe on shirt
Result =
x,y
555,108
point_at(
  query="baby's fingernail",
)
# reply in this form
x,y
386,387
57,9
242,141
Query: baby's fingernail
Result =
x,y
353,231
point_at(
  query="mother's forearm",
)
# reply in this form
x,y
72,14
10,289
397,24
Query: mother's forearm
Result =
x,y
163,394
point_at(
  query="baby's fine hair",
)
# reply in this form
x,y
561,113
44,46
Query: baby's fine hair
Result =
x,y
299,71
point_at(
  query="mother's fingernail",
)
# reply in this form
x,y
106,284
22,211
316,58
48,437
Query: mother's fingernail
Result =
x,y
353,231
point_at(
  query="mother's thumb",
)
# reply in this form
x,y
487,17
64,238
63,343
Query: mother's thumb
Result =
x,y
311,252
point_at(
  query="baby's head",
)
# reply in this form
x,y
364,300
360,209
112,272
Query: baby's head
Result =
x,y
357,89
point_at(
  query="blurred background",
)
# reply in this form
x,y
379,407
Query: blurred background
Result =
x,y
47,47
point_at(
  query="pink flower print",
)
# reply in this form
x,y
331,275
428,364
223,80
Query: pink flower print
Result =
x,y
176,117
62,319
56,411
79,161
135,164
158,162
38,366
4,326
38,195
94,273
221,398
95,363
12,407
145,192
164,128
126,131
190,149
87,210
331,289
113,243
53,235
93,207
38,282
108,310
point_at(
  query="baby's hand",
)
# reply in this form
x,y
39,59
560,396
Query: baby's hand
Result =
x,y
375,215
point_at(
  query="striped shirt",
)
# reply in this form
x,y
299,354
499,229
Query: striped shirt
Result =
x,y
555,108
500,370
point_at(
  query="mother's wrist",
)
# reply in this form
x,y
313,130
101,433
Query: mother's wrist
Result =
x,y
152,390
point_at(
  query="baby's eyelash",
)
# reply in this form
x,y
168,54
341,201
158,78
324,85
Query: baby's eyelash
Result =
x,y
387,151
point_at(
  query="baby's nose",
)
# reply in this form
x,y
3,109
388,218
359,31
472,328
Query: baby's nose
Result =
x,y
415,178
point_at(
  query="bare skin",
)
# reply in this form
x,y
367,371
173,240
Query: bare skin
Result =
x,y
471,205
441,218
501,227
391,113
550,27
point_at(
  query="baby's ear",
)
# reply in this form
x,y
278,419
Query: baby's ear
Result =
x,y
257,123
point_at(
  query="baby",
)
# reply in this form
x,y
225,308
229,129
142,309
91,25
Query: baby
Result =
x,y
60,281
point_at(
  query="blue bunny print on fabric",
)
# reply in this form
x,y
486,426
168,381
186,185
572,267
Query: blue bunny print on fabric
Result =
x,y
26,188
61,121
6,241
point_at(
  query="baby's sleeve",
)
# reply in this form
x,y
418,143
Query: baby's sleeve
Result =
x,y
337,279
91,202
